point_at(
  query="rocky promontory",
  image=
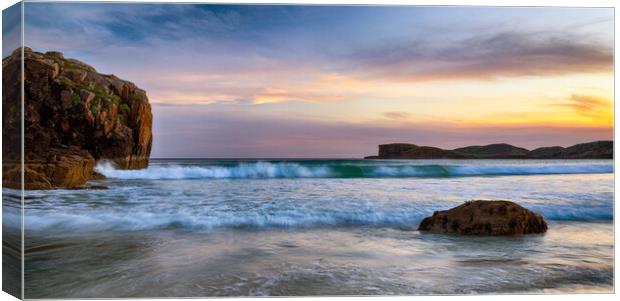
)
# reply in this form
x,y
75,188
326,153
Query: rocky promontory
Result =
x,y
405,151
485,218
590,150
73,117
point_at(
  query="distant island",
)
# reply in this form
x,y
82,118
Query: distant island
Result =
x,y
590,150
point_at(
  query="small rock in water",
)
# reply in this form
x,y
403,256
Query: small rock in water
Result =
x,y
97,187
485,218
90,187
97,176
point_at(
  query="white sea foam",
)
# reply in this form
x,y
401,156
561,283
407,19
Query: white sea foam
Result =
x,y
267,170
280,219
213,220
256,170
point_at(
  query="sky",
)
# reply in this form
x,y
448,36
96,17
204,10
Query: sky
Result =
x,y
278,81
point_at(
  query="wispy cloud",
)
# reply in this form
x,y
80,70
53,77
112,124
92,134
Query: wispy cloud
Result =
x,y
131,23
396,115
502,54
589,106
275,95
295,37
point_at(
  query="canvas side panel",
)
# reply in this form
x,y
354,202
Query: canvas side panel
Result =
x,y
12,150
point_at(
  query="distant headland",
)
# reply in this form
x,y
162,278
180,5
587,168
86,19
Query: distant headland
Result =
x,y
590,150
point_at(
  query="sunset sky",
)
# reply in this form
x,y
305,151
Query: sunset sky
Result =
x,y
336,81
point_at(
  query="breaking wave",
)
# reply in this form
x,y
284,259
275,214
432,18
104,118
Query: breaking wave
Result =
x,y
282,219
270,170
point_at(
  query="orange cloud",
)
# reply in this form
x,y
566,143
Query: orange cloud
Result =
x,y
598,110
588,105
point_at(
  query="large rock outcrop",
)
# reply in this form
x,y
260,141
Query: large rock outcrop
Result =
x,y
73,116
485,218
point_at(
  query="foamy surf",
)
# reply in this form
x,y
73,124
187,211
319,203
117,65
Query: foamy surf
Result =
x,y
348,169
317,218
242,171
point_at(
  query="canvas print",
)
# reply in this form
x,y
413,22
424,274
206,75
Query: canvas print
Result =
x,y
202,150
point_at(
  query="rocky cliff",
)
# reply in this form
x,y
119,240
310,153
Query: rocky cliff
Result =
x,y
73,117
591,150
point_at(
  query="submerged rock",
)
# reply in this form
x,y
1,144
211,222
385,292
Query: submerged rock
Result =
x,y
90,187
73,116
485,218
97,187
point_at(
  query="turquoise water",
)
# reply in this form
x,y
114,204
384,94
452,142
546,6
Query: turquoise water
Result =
x,y
184,228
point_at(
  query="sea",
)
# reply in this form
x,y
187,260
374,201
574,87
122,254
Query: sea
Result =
x,y
310,227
